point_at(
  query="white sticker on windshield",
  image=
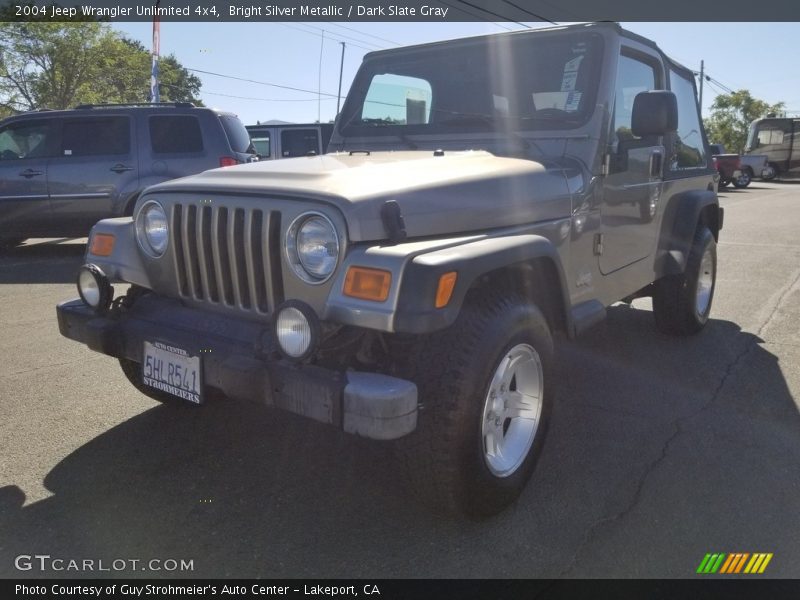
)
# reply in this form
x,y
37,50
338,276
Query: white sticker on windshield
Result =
x,y
574,64
500,104
573,102
568,82
571,74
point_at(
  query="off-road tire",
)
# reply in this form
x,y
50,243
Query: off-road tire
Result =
x,y
675,297
133,371
453,369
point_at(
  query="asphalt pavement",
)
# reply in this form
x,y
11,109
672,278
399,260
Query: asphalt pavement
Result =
x,y
660,449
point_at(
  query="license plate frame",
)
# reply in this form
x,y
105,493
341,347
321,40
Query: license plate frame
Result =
x,y
172,370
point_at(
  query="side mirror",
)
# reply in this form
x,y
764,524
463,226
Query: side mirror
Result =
x,y
654,113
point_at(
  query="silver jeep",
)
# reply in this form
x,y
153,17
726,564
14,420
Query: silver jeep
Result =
x,y
479,195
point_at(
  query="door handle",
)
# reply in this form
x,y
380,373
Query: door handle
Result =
x,y
120,168
28,173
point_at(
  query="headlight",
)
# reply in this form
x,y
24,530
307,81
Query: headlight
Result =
x,y
312,247
152,229
296,329
94,288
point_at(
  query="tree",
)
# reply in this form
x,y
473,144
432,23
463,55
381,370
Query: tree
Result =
x,y
731,115
59,65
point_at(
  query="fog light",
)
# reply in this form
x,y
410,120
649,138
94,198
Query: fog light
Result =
x,y
296,329
94,288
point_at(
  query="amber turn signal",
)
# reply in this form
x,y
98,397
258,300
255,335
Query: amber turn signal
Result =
x,y
367,284
444,291
102,244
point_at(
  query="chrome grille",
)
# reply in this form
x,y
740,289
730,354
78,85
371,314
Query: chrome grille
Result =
x,y
228,256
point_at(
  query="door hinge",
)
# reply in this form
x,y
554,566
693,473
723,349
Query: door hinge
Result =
x,y
598,244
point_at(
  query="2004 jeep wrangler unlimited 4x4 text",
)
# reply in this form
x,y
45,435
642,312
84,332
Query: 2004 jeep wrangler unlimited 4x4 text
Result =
x,y
480,194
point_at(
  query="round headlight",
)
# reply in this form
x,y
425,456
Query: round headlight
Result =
x,y
152,229
312,247
296,329
94,288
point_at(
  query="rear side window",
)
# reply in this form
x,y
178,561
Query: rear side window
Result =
x,y
261,143
175,134
299,142
96,136
236,132
25,140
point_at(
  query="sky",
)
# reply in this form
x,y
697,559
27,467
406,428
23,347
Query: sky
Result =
x,y
752,56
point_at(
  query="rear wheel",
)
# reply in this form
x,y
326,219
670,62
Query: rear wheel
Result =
x,y
682,303
724,182
769,172
483,383
743,180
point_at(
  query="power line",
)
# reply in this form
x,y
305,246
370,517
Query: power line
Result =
x,y
333,37
476,16
277,85
377,37
262,99
525,10
492,13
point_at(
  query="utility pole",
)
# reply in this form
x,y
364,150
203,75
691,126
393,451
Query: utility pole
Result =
x,y
702,77
341,68
319,79
154,91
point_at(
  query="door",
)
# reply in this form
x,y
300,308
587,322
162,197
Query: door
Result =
x,y
93,171
24,203
632,188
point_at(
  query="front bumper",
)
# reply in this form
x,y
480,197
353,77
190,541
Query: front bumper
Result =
x,y
240,359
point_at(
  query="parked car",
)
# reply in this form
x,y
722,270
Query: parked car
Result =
x,y
777,138
289,140
407,285
729,167
61,171
752,166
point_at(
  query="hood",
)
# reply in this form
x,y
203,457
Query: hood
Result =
x,y
450,193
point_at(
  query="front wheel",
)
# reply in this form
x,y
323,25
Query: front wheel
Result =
x,y
484,385
682,303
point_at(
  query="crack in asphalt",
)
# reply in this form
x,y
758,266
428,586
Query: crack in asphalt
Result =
x,y
677,425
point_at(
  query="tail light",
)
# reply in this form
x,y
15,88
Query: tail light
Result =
x,y
227,161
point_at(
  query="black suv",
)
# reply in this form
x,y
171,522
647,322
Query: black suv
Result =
x,y
62,171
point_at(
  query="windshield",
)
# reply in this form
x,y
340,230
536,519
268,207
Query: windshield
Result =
x,y
525,82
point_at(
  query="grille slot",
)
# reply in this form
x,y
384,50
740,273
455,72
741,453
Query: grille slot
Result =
x,y
226,256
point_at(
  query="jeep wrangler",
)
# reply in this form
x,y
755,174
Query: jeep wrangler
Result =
x,y
479,195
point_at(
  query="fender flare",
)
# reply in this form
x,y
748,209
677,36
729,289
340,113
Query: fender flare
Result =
x,y
416,311
679,225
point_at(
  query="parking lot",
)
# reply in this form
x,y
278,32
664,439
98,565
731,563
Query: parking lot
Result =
x,y
660,449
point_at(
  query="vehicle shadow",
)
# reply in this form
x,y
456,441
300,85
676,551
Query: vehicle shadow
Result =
x,y
247,492
50,261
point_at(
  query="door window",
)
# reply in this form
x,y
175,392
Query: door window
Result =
x,y
24,140
633,77
689,150
96,136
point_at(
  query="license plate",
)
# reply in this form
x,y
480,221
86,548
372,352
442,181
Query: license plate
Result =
x,y
172,370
